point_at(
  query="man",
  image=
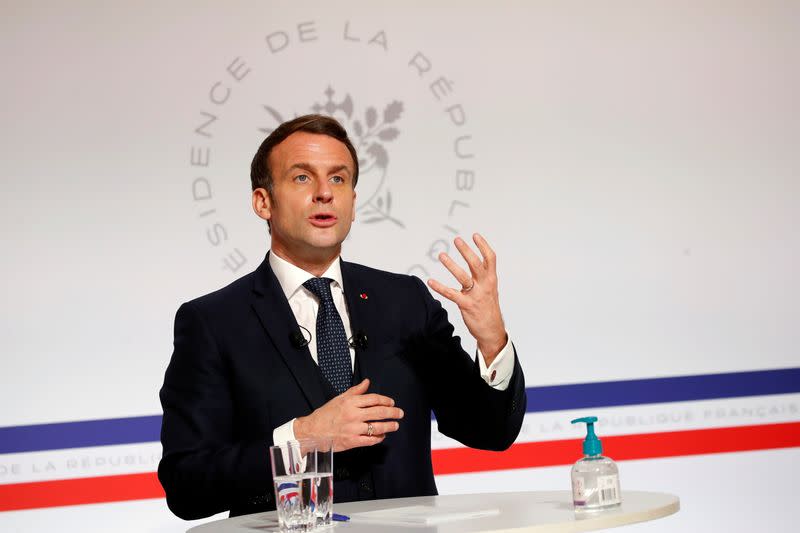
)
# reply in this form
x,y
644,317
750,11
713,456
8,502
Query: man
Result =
x,y
312,346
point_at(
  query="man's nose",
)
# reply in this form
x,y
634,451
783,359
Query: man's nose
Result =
x,y
323,192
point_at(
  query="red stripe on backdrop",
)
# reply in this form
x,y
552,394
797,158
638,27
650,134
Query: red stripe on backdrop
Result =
x,y
621,447
80,491
446,461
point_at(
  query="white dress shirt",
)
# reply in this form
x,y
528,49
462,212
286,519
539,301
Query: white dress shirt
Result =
x,y
305,305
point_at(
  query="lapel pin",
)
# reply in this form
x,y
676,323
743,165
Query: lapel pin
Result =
x,y
364,296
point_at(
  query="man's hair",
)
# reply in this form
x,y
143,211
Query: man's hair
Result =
x,y
260,174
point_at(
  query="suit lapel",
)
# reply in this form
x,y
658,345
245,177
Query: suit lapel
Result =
x,y
362,306
272,308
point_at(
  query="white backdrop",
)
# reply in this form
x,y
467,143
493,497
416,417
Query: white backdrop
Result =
x,y
634,165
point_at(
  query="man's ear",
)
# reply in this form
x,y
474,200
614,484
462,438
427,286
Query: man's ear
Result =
x,y
262,203
353,218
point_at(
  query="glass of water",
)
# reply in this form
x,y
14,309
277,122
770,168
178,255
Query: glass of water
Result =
x,y
294,466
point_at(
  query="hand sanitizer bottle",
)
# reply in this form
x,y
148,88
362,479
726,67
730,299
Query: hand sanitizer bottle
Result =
x,y
595,479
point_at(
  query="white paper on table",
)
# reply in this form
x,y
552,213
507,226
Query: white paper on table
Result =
x,y
421,515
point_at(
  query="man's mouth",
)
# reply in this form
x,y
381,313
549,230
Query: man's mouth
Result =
x,y
322,220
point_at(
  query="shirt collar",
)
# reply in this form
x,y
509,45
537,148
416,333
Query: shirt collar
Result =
x,y
291,277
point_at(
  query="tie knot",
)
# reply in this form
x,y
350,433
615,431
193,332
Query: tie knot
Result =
x,y
321,287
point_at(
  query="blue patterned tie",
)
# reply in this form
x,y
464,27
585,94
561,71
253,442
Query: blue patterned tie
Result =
x,y
333,350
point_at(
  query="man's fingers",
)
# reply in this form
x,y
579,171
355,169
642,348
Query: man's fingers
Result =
x,y
382,413
489,257
451,294
469,256
370,400
356,435
382,428
378,428
355,390
459,273
362,441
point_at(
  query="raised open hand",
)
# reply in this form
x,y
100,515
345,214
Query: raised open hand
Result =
x,y
478,297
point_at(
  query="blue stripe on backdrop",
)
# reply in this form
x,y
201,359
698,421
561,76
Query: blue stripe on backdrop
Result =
x,y
80,434
661,390
17,439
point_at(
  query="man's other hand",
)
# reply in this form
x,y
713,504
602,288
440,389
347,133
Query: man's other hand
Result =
x,y
352,419
478,297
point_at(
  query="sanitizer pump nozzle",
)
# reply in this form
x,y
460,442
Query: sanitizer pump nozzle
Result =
x,y
595,479
591,444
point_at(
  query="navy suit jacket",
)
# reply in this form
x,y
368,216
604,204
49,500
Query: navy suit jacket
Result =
x,y
235,376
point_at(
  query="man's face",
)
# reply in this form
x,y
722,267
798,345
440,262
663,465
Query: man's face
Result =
x,y
313,201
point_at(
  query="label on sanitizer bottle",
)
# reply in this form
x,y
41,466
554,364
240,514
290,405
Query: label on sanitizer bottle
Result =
x,y
579,491
608,489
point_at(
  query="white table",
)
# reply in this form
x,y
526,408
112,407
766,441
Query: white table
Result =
x,y
520,512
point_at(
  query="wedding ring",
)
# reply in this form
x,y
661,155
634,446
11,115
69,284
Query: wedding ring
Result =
x,y
467,289
370,429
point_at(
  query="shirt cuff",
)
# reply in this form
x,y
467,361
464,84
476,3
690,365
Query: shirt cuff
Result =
x,y
498,374
284,433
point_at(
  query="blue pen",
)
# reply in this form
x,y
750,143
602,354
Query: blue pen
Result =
x,y
340,517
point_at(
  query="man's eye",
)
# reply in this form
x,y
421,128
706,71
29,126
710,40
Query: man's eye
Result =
x,y
337,179
302,178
